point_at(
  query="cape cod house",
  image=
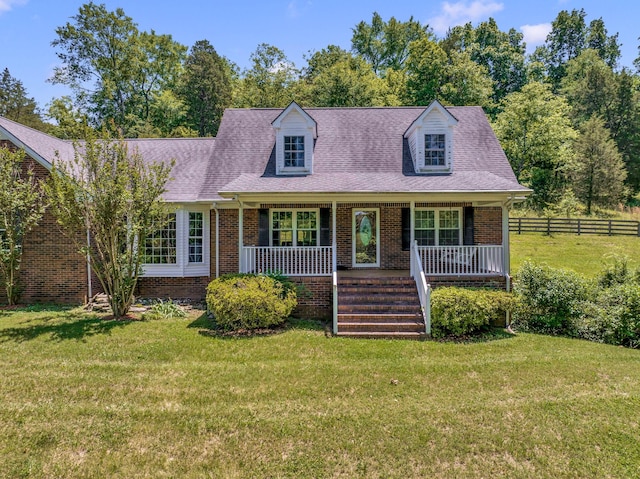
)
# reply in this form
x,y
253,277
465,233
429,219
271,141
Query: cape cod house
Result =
x,y
366,207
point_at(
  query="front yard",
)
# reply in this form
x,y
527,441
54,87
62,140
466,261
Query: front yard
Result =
x,y
82,397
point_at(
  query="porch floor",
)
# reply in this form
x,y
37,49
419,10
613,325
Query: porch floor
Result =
x,y
374,273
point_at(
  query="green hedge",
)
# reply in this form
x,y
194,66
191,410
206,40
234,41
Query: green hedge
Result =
x,y
249,301
460,312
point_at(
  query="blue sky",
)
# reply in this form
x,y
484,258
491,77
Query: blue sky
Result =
x,y
236,27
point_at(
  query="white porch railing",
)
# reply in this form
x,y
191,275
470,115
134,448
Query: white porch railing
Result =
x,y
287,260
477,260
424,288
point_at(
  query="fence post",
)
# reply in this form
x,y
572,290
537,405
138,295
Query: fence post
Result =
x,y
548,226
520,227
579,228
639,228
609,227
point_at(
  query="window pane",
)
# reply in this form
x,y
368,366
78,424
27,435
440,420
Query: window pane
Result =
x,y
449,219
294,151
196,237
434,150
160,247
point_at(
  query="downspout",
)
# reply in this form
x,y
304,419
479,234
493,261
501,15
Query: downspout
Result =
x,y
215,208
240,234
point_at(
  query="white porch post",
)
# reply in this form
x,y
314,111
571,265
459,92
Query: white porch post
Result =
x,y
334,239
412,207
505,240
241,266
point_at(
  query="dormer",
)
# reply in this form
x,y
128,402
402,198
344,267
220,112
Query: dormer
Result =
x,y
296,133
430,139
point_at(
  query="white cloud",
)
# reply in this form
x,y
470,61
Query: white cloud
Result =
x,y
535,35
459,13
294,9
6,5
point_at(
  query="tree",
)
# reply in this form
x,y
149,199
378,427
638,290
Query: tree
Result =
x,y
338,78
16,105
598,173
386,44
466,82
205,88
69,123
536,134
115,196
270,82
21,208
114,70
502,54
426,69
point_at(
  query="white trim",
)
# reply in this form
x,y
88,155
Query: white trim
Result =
x,y
437,222
294,223
182,268
353,238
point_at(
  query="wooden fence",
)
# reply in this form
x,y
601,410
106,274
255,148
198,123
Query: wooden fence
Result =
x,y
580,226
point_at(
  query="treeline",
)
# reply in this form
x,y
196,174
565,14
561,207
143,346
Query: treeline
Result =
x,y
568,115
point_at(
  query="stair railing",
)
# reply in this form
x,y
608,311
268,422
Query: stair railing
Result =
x,y
335,302
424,288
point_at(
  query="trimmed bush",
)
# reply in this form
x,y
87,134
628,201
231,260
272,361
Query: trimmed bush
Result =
x,y
460,312
249,301
549,299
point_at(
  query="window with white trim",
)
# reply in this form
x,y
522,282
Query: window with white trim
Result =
x,y
294,151
438,227
160,247
435,149
295,227
196,237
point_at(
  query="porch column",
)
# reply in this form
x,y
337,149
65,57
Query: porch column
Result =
x,y
334,239
506,261
240,237
412,207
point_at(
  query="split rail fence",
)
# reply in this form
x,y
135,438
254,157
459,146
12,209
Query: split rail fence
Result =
x,y
579,226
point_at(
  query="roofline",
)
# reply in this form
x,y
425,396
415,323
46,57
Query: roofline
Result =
x,y
22,145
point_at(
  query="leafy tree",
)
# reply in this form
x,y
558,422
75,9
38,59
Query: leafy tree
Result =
x,y
598,173
466,82
569,36
69,123
386,44
338,78
16,105
536,134
205,88
426,69
502,54
270,82
114,70
21,208
115,196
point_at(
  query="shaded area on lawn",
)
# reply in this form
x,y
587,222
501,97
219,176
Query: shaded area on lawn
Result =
x,y
207,327
68,326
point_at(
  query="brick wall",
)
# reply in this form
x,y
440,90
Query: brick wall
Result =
x,y
487,223
175,288
52,269
316,298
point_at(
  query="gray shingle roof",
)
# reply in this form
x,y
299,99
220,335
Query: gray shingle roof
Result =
x,y
358,149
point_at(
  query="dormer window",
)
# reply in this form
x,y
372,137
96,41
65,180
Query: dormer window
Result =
x,y
295,133
430,140
434,150
294,151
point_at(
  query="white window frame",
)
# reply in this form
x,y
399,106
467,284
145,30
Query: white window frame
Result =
x,y
443,150
292,151
294,224
190,237
281,169
182,268
173,256
437,223
424,167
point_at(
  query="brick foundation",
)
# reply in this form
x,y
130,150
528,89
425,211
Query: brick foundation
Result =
x,y
175,288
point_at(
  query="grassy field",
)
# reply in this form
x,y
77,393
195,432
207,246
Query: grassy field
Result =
x,y
83,397
584,254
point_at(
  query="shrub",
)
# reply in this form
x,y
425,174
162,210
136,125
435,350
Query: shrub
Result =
x,y
459,312
548,299
249,301
616,271
614,318
164,310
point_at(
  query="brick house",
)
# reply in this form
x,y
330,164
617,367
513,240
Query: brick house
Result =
x,y
350,202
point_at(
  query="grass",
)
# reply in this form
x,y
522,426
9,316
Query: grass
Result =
x,y
84,397
585,254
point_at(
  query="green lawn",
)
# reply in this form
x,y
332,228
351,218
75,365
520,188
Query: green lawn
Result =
x,y
584,254
82,397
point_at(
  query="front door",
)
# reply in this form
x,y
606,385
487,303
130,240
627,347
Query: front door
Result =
x,y
366,247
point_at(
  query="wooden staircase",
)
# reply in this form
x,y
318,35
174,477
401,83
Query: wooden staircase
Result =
x,y
386,307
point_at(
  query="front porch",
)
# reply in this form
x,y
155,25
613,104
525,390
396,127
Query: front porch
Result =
x,y
349,254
